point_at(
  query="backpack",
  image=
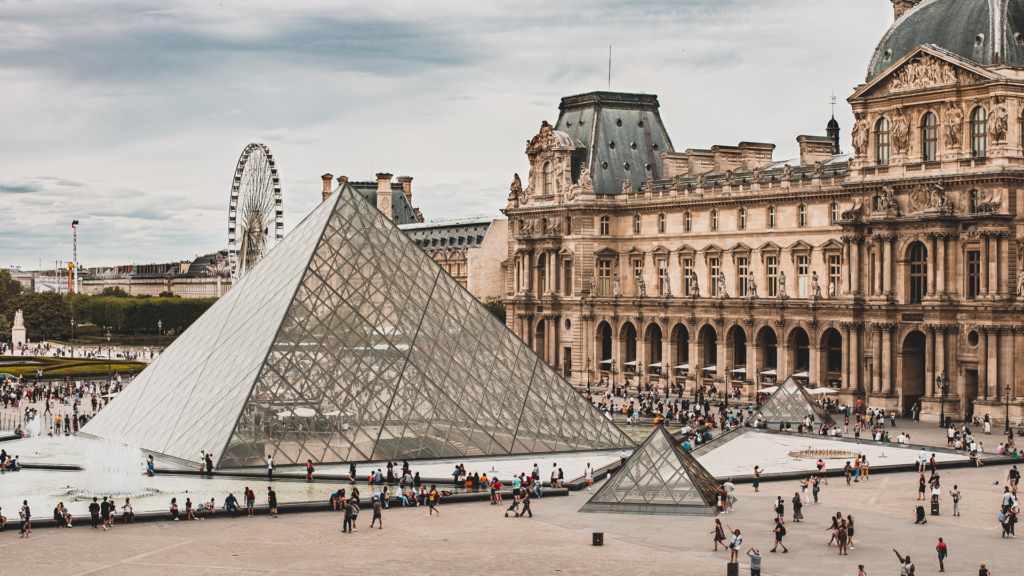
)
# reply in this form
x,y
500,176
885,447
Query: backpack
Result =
x,y
782,530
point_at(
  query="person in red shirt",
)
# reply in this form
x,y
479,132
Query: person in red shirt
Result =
x,y
941,549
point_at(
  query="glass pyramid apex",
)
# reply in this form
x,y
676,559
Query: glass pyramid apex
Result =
x,y
791,403
348,343
660,477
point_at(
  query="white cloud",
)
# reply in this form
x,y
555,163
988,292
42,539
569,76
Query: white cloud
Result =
x,y
130,116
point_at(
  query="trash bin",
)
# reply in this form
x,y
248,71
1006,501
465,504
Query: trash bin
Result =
x,y
935,508
598,538
733,569
949,421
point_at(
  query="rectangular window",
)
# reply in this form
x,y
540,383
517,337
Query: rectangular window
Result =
x,y
687,274
973,274
742,269
801,275
662,276
636,224
566,363
772,271
638,272
604,277
834,273
688,224
771,216
714,268
567,278
743,219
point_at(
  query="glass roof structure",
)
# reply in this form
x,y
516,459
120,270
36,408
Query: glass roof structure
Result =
x,y
661,477
348,343
791,403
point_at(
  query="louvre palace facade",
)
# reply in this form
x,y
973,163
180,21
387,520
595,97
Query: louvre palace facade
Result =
x,y
892,273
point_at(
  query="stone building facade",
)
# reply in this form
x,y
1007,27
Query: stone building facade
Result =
x,y
892,274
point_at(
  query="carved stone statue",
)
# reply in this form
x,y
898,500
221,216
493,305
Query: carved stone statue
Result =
x,y
593,284
787,172
694,285
559,181
819,168
831,289
515,191
887,201
641,287
815,286
666,285
627,187
1020,284
782,284
953,123
751,286
730,177
702,180
616,289
585,181
937,201
900,131
677,181
721,286
861,135
999,119
19,320
759,174
527,228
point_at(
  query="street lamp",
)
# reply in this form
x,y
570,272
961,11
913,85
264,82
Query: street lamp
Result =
x,y
160,333
942,381
1007,395
108,355
588,375
72,337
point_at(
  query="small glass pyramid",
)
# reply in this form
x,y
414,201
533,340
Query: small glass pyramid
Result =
x,y
659,478
348,343
791,403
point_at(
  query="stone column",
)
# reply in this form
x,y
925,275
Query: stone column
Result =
x,y
1018,374
876,289
887,269
932,249
876,376
814,368
855,266
983,359
552,272
844,270
855,357
993,265
940,273
984,267
1003,269
1011,377
693,354
847,357
752,374
940,352
929,361
887,359
993,363
666,355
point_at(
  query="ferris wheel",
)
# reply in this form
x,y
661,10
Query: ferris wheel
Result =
x,y
256,212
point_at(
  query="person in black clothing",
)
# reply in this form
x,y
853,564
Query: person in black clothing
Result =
x,y
272,501
94,511
780,531
105,512
351,509
525,501
209,464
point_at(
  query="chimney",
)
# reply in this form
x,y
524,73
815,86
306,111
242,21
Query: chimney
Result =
x,y
901,6
327,184
406,187
755,154
342,180
384,194
814,149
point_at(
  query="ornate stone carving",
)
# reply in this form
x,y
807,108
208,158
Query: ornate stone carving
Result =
x,y
991,204
543,141
721,286
780,324
515,191
819,168
999,119
782,284
759,174
861,134
719,321
900,131
694,285
666,285
1020,284
953,124
648,185
856,210
730,177
19,320
593,284
702,180
921,72
815,286
627,187
641,287
787,172
677,181
887,202
616,288
751,286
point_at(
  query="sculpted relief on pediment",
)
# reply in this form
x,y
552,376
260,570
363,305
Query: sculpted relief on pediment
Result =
x,y
924,71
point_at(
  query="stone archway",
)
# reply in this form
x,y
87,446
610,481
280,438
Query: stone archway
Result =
x,y
707,352
767,355
540,341
736,353
653,350
912,358
627,349
680,351
799,351
830,359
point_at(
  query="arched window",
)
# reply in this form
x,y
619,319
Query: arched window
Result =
x,y
636,224
687,222
835,212
743,219
548,179
801,212
771,217
882,142
661,223
714,219
979,132
929,137
606,225
918,272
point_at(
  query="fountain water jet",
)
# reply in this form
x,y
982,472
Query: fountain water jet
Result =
x,y
113,469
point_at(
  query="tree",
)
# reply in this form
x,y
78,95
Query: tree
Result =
x,y
497,307
5,329
9,286
115,292
166,294
47,314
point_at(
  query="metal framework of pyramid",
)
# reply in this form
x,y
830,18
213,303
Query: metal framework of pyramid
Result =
x,y
791,403
348,343
661,477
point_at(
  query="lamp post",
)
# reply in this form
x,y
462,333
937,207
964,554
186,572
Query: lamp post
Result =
x,y
160,332
588,375
72,337
942,381
1007,396
108,356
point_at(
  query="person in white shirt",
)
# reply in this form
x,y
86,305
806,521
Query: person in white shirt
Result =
x,y
270,467
588,476
729,498
922,460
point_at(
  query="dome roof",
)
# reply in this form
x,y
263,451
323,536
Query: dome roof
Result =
x,y
985,31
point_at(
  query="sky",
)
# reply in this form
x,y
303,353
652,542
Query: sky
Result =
x,y
130,116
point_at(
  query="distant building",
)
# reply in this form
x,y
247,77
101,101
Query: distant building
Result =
x,y
472,250
187,279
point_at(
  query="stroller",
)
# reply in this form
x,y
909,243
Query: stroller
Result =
x,y
920,516
513,508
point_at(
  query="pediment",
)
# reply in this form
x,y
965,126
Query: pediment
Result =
x,y
832,244
740,247
606,252
686,249
710,248
769,247
659,249
634,251
928,66
800,246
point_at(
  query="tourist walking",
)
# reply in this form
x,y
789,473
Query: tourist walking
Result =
x,y
309,470
780,509
982,571
780,531
270,467
841,538
250,501
942,551
351,509
376,515
906,566
815,488
719,533
834,528
921,487
849,530
23,517
433,498
588,476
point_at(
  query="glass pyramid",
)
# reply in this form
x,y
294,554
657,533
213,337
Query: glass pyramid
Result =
x,y
348,343
659,478
791,403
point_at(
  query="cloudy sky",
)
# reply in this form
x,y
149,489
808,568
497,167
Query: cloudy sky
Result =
x,y
130,115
